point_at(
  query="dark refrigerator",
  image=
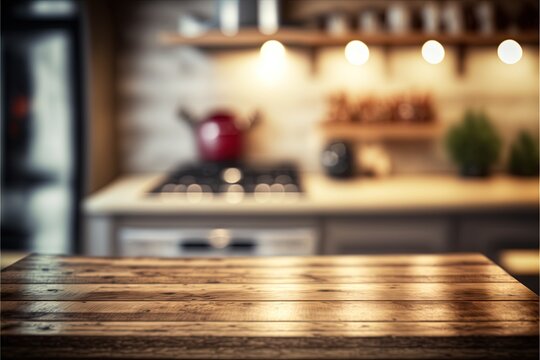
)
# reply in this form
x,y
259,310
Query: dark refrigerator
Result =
x,y
42,125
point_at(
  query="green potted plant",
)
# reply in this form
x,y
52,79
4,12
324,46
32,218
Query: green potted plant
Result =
x,y
524,156
474,144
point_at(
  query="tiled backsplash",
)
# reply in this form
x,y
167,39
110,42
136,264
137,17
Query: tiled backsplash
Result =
x,y
154,80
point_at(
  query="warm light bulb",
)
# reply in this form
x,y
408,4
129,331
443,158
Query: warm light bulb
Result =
x,y
356,52
509,51
433,52
272,61
272,50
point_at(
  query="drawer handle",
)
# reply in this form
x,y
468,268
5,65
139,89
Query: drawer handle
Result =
x,y
236,244
242,244
195,244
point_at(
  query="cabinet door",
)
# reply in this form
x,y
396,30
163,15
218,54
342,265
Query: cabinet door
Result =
x,y
386,235
491,235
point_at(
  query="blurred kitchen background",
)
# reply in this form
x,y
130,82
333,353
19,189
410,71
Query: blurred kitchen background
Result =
x,y
271,127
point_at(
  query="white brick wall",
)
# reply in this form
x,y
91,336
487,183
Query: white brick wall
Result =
x,y
153,80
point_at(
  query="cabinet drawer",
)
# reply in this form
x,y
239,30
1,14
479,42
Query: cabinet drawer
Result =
x,y
356,236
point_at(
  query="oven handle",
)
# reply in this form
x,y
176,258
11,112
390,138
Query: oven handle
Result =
x,y
236,244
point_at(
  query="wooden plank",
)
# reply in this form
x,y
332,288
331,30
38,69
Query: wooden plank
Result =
x,y
92,270
391,311
278,328
251,340
236,340
268,292
285,261
260,271
289,36
342,274
36,277
206,347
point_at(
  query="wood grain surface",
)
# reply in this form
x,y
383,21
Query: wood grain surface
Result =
x,y
459,306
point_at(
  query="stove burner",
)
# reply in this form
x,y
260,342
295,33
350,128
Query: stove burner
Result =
x,y
233,179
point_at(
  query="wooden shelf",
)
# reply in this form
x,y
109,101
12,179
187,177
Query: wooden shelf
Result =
x,y
348,131
249,37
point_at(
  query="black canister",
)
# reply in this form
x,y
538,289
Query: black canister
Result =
x,y
338,160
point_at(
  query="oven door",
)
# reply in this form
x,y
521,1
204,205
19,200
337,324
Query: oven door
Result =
x,y
188,242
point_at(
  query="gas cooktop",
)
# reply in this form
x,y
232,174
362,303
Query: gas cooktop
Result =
x,y
230,178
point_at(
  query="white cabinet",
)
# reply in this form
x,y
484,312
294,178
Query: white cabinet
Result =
x,y
216,241
175,236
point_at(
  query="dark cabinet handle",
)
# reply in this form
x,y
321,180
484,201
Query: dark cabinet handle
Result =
x,y
242,244
237,244
195,244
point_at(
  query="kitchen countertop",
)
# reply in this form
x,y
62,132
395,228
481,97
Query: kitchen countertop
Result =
x,y
371,307
322,195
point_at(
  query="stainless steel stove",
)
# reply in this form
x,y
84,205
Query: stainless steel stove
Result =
x,y
217,178
224,236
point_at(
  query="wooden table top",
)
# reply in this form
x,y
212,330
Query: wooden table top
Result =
x,y
459,306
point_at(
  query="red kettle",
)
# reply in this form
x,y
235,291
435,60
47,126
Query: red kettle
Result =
x,y
220,136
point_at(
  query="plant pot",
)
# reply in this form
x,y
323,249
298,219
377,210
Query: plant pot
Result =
x,y
473,170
